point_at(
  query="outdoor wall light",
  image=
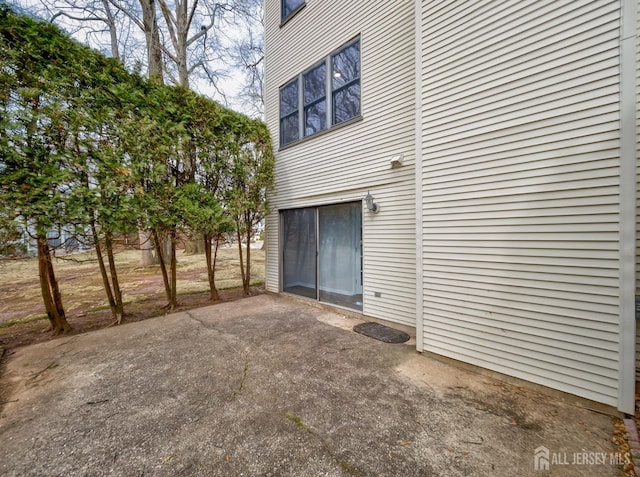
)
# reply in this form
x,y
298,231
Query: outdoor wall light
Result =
x,y
371,205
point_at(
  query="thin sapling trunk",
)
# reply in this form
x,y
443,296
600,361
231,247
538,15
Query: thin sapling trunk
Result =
x,y
117,293
49,288
163,268
247,274
242,271
211,265
174,298
103,271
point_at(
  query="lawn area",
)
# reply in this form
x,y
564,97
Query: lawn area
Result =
x,y
22,313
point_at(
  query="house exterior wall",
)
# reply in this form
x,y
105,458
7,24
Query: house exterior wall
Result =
x,y
521,182
513,230
343,164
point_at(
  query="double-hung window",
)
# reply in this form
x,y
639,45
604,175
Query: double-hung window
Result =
x,y
326,95
289,129
315,99
345,83
289,7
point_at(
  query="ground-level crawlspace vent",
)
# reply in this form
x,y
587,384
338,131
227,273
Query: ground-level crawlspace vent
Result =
x,y
381,332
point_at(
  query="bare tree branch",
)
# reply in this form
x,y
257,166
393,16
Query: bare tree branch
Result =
x,y
170,21
188,42
192,12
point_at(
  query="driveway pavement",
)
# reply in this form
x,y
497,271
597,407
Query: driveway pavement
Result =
x,y
270,386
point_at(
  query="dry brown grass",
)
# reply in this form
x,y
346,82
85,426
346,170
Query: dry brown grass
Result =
x,y
143,292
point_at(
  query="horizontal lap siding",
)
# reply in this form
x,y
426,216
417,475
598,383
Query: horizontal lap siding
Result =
x,y
272,281
389,256
520,191
343,164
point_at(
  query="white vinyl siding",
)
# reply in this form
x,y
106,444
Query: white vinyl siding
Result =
x,y
272,278
343,163
520,177
290,8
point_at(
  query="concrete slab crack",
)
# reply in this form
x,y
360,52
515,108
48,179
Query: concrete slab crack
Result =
x,y
300,424
242,381
202,322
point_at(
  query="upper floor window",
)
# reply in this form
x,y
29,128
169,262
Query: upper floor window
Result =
x,y
345,80
324,96
315,99
289,7
289,113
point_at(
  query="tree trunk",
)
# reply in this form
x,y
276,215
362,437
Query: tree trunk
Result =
x,y
63,326
247,274
183,23
49,288
152,35
173,303
163,269
155,72
211,266
166,250
146,248
44,281
178,32
117,293
103,271
113,30
194,247
239,237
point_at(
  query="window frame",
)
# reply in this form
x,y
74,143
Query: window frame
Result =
x,y
285,18
305,107
335,91
329,96
295,112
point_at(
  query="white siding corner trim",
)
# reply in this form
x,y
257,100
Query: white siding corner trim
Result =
x,y
418,182
628,178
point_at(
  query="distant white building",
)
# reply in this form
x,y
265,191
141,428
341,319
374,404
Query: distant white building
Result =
x,y
498,140
63,240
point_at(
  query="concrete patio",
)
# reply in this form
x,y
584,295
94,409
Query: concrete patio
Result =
x,y
272,386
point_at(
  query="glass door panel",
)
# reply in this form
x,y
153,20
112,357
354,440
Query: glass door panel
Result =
x,y
299,252
339,257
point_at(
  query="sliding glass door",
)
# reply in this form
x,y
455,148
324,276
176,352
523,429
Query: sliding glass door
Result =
x,y
299,252
339,258
322,253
